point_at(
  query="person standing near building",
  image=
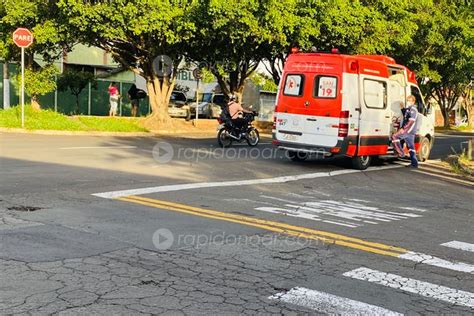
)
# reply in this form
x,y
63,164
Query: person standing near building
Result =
x,y
408,130
134,100
114,96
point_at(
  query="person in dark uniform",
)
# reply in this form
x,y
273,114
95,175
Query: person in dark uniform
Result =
x,y
407,132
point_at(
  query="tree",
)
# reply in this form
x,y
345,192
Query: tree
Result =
x,y
264,82
301,26
50,37
76,82
233,37
468,105
354,27
38,83
136,33
442,51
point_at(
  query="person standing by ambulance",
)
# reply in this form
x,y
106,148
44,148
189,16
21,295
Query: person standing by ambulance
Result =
x,y
408,130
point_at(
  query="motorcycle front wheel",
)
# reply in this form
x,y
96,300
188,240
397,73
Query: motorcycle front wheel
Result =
x,y
223,138
253,137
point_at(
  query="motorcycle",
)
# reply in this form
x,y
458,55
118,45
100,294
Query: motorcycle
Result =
x,y
228,132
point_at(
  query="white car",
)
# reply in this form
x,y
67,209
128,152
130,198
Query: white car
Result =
x,y
178,106
209,106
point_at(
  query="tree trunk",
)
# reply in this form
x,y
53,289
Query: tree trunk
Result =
x,y
469,106
159,96
34,103
77,105
445,113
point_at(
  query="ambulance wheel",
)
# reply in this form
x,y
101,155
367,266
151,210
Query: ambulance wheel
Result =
x,y
425,149
297,156
361,162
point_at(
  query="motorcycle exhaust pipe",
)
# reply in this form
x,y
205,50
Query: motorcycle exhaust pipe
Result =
x,y
234,137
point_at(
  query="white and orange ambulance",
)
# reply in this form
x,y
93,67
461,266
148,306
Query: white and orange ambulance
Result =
x,y
332,104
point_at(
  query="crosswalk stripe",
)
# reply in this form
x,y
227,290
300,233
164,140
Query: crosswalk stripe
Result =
x,y
329,303
435,291
437,262
459,245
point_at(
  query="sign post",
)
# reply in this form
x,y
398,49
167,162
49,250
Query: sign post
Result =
x,y
197,75
22,38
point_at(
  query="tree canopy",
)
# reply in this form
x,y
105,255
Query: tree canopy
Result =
x,y
230,38
136,33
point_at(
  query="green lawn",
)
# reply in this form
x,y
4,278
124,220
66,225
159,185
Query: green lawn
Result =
x,y
50,120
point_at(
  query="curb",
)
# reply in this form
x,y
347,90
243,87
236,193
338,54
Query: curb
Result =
x,y
437,169
456,133
178,133
73,133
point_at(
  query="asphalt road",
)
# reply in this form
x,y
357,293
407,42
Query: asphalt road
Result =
x,y
123,225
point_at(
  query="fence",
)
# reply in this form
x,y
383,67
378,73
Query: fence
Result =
x,y
92,100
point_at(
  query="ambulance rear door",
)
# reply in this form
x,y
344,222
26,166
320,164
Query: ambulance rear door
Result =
x,y
375,116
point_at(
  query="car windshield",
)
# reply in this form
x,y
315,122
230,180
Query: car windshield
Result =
x,y
205,97
219,99
178,96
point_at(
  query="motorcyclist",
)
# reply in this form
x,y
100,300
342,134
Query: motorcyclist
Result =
x,y
236,112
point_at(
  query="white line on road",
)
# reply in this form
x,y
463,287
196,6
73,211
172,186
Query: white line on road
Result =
x,y
100,147
437,262
329,303
191,186
459,245
435,291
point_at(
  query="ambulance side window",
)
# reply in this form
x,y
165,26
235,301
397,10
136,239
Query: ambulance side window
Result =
x,y
375,94
294,84
325,87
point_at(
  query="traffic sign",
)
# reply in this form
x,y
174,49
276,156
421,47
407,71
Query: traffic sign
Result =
x,y
22,37
197,73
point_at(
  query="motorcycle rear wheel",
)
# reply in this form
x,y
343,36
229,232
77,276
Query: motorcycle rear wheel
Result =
x,y
223,138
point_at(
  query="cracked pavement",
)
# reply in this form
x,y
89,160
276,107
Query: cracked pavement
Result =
x,y
82,255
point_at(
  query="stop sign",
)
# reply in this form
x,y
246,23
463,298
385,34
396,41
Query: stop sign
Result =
x,y
22,37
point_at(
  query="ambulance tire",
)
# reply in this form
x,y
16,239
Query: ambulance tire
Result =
x,y
297,156
361,162
424,150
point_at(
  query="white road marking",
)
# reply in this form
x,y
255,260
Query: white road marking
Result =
x,y
100,147
437,262
435,291
328,303
413,209
191,186
348,214
459,245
